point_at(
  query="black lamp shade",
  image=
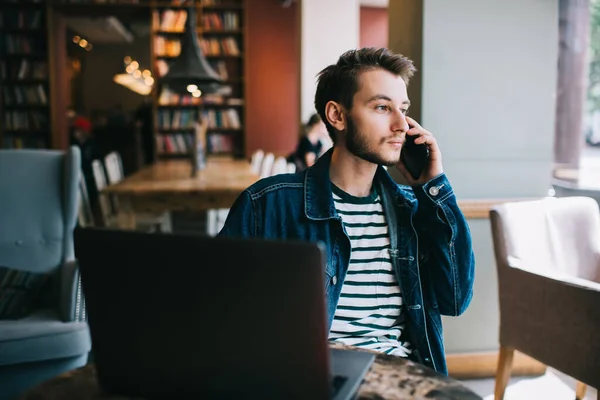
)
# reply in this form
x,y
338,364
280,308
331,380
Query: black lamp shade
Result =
x,y
191,67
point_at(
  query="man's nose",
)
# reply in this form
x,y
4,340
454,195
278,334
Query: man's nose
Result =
x,y
400,123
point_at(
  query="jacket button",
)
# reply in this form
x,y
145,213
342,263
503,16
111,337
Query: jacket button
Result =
x,y
334,280
434,190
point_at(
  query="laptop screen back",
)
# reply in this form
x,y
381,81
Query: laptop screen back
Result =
x,y
217,317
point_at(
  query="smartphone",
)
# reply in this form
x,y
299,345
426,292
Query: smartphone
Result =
x,y
414,156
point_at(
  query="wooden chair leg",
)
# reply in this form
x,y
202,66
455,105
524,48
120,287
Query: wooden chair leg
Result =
x,y
580,390
505,361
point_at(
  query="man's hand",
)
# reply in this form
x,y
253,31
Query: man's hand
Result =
x,y
434,167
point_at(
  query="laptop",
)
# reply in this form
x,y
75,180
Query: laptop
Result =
x,y
185,316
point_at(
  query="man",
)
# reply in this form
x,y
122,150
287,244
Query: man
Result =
x,y
397,256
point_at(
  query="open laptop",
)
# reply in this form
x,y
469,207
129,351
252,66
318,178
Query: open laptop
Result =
x,y
178,316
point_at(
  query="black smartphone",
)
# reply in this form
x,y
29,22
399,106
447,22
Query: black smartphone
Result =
x,y
414,156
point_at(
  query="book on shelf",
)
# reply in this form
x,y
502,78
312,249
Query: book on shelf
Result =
x,y
170,47
216,47
18,95
25,121
177,119
104,1
175,143
220,21
222,119
182,3
169,98
23,142
21,44
165,47
169,20
23,69
220,67
21,19
220,143
215,2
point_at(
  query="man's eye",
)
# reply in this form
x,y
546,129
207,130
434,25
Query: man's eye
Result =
x,y
405,111
381,107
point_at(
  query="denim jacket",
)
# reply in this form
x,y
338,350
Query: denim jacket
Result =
x,y
429,237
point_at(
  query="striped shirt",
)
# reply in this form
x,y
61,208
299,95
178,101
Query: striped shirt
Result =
x,y
369,312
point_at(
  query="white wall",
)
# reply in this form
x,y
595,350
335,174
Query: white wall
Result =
x,y
489,80
328,28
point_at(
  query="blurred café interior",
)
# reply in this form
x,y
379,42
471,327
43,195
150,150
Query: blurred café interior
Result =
x,y
510,88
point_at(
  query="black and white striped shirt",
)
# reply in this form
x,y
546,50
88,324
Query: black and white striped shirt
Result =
x,y
369,312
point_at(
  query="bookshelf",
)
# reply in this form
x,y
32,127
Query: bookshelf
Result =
x,y
25,120
220,29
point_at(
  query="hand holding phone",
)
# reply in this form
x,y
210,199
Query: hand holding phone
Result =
x,y
415,157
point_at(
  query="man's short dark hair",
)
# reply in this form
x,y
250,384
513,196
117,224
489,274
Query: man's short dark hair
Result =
x,y
339,82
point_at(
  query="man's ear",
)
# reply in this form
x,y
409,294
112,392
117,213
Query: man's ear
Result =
x,y
335,115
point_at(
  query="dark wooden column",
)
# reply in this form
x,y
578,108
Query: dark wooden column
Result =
x,y
59,93
406,37
574,22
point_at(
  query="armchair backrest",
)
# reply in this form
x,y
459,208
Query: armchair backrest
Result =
x,y
557,235
38,207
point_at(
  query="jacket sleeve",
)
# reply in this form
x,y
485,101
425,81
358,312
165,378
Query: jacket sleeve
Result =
x,y
241,220
445,246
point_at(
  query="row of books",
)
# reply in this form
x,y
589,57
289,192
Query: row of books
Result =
x,y
215,47
25,121
162,67
24,95
19,19
21,44
186,119
224,119
220,21
23,142
23,69
170,98
220,143
183,143
164,47
176,143
104,1
177,119
169,20
211,2
180,3
167,47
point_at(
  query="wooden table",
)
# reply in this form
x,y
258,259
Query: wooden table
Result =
x,y
389,378
169,186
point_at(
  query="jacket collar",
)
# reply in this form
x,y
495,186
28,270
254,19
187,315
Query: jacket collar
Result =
x,y
318,201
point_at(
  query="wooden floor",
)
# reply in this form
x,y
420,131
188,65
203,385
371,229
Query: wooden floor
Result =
x,y
551,386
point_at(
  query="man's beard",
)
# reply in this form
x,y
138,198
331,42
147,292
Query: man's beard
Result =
x,y
357,144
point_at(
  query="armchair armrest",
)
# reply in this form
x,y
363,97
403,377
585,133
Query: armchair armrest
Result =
x,y
72,305
542,310
568,280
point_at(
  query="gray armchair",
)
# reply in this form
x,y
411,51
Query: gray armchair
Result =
x,y
38,212
548,262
